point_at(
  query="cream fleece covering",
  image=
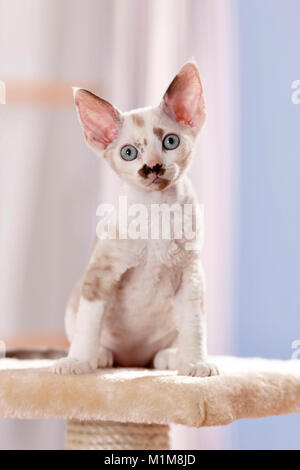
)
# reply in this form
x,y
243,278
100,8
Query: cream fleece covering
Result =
x,y
246,388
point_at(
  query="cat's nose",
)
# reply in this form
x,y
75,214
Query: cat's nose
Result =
x,y
157,168
153,160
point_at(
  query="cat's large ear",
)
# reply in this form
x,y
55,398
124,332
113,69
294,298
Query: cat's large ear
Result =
x,y
184,100
100,121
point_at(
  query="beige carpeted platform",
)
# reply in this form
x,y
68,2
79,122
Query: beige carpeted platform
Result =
x,y
246,388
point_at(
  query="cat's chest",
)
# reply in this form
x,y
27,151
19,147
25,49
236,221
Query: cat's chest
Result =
x,y
154,280
160,254
143,300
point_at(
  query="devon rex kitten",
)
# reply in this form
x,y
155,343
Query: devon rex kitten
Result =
x,y
141,301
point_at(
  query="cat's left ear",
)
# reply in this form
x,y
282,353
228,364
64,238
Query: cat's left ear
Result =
x,y
100,121
184,100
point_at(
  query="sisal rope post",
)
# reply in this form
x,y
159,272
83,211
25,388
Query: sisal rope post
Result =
x,y
109,435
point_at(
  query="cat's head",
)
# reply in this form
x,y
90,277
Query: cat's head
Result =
x,y
149,147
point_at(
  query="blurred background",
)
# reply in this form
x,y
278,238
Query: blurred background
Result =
x,y
246,171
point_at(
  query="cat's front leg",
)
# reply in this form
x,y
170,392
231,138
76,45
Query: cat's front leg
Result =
x,y
83,353
101,276
191,323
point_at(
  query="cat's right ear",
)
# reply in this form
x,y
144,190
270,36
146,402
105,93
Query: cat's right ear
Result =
x,y
184,99
101,122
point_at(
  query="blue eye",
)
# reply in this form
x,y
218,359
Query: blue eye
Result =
x,y
129,153
171,142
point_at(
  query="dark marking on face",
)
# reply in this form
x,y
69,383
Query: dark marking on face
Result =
x,y
138,120
161,184
137,144
158,169
144,171
145,142
159,132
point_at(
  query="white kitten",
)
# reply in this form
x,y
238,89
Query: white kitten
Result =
x,y
141,302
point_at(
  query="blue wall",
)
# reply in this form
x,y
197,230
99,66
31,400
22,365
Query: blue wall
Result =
x,y
269,304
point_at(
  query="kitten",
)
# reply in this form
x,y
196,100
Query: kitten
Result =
x,y
141,302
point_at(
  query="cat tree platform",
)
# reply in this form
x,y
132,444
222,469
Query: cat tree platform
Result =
x,y
132,408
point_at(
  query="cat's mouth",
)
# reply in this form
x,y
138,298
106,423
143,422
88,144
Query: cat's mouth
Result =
x,y
158,183
155,180
153,177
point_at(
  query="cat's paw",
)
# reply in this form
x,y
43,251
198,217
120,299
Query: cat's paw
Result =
x,y
165,359
71,366
105,357
198,369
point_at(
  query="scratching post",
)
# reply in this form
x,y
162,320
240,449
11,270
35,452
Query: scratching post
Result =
x,y
122,408
103,435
